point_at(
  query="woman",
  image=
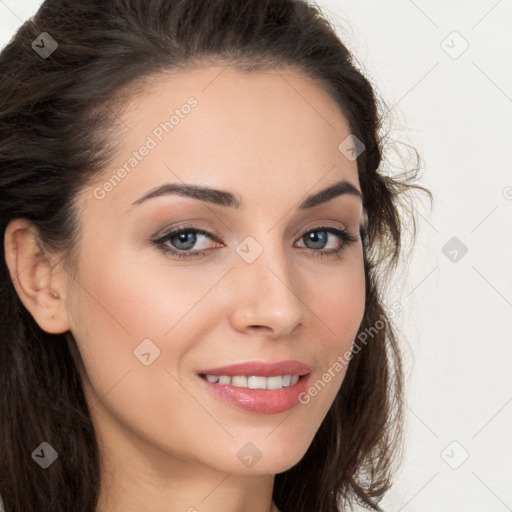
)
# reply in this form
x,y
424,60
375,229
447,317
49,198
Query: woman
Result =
x,y
195,230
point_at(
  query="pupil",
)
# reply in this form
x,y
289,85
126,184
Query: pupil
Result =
x,y
319,240
182,238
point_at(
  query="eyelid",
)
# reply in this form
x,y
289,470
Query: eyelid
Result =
x,y
216,235
346,237
190,226
322,225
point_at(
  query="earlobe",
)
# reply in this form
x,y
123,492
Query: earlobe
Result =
x,y
37,283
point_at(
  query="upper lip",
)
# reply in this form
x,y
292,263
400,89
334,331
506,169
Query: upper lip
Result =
x,y
260,368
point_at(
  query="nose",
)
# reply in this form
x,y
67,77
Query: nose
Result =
x,y
267,296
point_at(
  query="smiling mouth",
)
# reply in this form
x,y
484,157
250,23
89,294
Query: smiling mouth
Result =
x,y
254,381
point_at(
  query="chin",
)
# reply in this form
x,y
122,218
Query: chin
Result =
x,y
269,456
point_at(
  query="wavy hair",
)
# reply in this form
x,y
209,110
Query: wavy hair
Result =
x,y
57,116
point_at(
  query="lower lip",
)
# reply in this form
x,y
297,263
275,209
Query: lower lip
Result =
x,y
261,401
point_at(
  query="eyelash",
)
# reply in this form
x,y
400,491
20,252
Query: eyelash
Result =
x,y
346,237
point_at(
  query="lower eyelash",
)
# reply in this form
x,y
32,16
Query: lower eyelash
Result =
x,y
181,255
174,253
347,238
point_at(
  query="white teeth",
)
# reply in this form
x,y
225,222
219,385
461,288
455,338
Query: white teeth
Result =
x,y
240,381
275,382
257,383
254,381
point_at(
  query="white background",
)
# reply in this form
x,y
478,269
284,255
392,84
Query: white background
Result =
x,y
457,112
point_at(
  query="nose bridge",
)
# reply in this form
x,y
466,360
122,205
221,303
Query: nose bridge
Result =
x,y
267,291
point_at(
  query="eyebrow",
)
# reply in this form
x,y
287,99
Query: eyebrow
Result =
x,y
228,199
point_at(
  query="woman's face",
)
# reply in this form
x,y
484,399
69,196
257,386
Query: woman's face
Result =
x,y
258,288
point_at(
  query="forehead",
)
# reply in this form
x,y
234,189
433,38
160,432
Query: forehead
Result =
x,y
264,131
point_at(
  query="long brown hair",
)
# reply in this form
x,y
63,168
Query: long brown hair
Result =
x,y
57,111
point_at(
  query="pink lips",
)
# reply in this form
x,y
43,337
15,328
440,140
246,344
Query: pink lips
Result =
x,y
261,401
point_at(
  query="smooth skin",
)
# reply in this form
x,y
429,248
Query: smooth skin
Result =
x,y
272,138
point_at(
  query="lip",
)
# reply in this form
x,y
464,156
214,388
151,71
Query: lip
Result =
x,y
260,401
260,368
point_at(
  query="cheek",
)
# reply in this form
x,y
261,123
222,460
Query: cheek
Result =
x,y
131,298
337,299
111,312
343,303
121,301
340,308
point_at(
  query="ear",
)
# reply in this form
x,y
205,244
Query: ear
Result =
x,y
37,277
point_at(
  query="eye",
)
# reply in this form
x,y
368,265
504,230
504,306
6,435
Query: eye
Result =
x,y
179,242
319,236
182,239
